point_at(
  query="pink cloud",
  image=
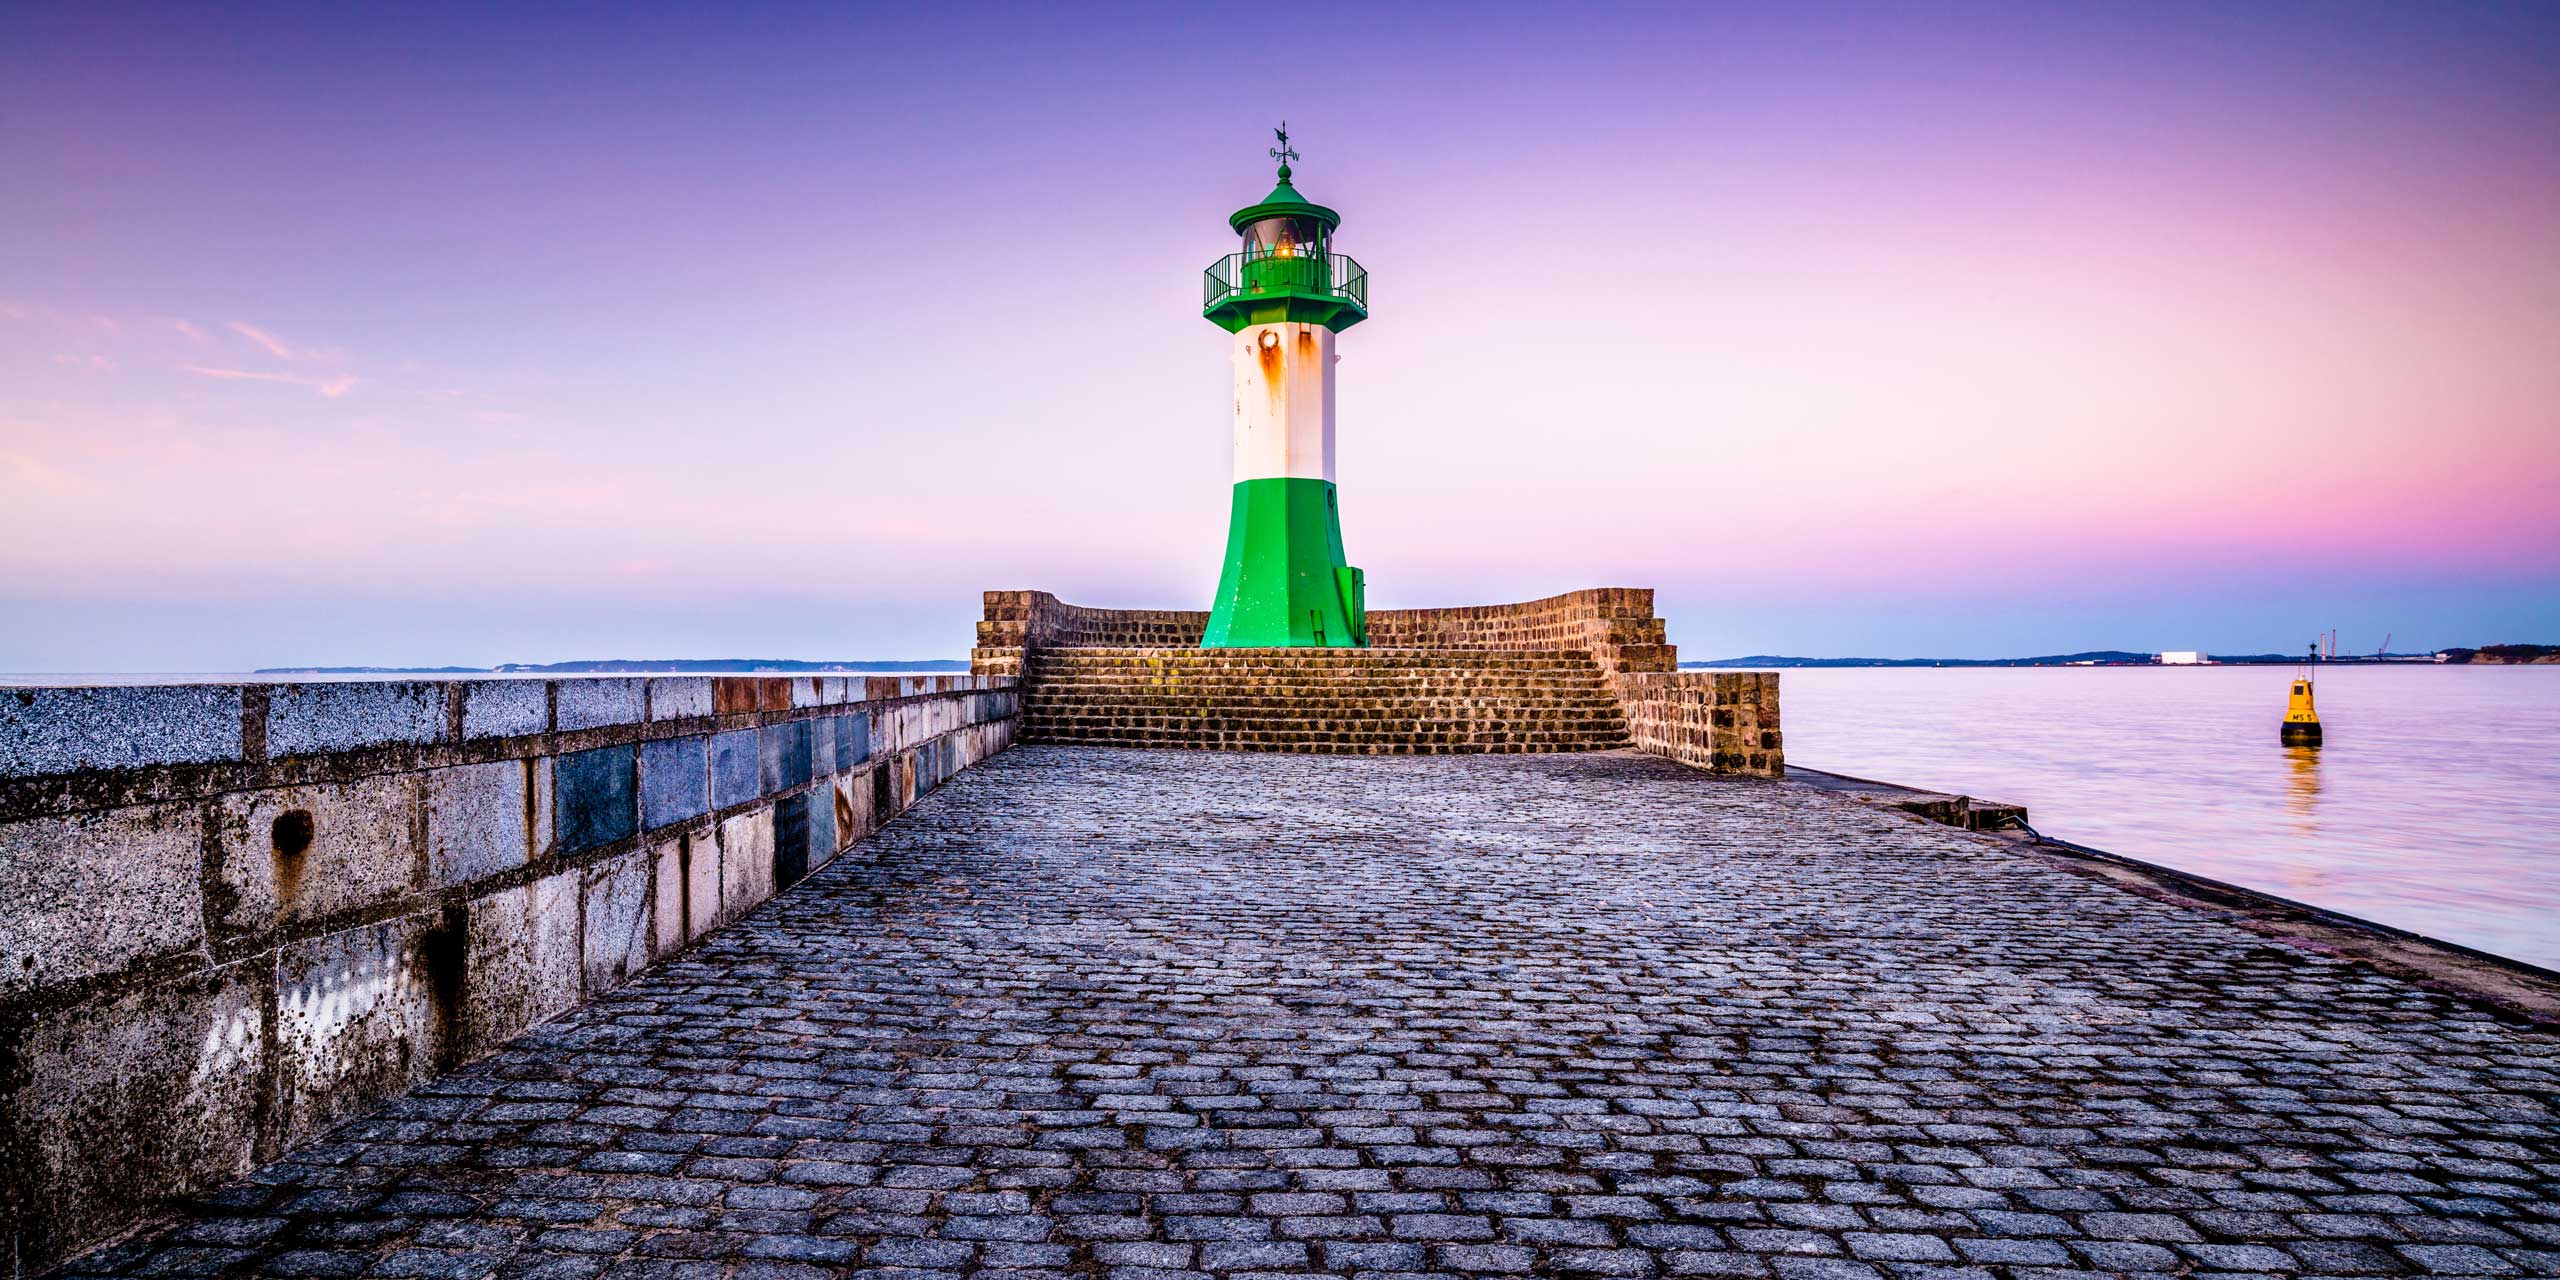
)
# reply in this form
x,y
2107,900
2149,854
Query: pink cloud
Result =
x,y
330,387
274,345
25,471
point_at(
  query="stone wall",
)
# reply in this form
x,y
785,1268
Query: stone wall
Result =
x,y
1721,720
1020,620
1726,721
231,915
1614,624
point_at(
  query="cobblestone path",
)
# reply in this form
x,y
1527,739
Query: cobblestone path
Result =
x,y
1148,1014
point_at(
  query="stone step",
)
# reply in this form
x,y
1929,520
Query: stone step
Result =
x,y
1312,653
1346,724
1283,695
1283,665
1347,733
1364,715
1371,724
1310,680
1288,701
1395,710
1363,701
1315,677
1438,660
1407,744
1185,659
1398,680
1347,675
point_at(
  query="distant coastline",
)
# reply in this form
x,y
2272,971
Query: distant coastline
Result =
x,y
2490,655
2487,655
636,666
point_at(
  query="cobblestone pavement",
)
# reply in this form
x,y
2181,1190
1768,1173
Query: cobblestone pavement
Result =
x,y
1147,1015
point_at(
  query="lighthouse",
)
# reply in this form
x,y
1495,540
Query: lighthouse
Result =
x,y
1282,298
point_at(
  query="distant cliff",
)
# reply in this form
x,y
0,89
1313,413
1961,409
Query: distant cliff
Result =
x,y
700,666
640,666
2507,655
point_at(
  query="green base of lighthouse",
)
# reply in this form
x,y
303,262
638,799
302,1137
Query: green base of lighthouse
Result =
x,y
1285,583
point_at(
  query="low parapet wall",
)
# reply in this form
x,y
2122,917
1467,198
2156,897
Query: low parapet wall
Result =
x,y
1726,721
1019,621
1614,624
231,915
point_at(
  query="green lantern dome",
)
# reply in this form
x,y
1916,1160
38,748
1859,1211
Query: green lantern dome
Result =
x,y
1287,270
1284,202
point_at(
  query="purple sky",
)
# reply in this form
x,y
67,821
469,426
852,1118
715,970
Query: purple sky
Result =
x,y
342,336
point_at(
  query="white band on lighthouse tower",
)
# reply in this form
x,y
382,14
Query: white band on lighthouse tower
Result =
x,y
1284,402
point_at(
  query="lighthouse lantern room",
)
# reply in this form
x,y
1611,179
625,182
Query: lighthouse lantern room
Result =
x,y
1282,297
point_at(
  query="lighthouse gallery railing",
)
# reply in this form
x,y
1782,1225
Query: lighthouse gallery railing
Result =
x,y
1332,274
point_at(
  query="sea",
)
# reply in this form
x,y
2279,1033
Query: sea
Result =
x,y
2432,805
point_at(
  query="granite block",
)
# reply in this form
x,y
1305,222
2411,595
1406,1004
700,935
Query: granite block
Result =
x,y
313,719
505,708
735,770
617,920
734,695
702,879
675,781
593,702
853,740
124,1102
354,1023
746,862
791,831
480,821
289,855
89,893
853,807
669,932
525,960
884,793
822,745
783,756
595,798
822,826
46,731
680,697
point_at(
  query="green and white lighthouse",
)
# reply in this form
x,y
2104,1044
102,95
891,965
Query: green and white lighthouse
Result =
x,y
1283,297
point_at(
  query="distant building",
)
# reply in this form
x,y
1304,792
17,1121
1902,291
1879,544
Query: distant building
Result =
x,y
2183,658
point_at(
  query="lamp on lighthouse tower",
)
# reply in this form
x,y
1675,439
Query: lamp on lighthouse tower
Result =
x,y
1282,297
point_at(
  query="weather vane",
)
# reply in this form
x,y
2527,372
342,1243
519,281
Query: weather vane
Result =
x,y
1283,153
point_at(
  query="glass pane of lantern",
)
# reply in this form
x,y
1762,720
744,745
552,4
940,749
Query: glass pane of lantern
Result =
x,y
1283,235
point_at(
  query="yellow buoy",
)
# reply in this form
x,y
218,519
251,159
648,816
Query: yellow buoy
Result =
x,y
2301,719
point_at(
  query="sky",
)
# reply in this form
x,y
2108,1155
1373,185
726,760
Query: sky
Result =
x,y
463,334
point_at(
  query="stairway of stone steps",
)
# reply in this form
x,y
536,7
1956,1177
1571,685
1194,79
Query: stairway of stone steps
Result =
x,y
1345,701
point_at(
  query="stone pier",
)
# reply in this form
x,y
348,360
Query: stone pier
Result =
x,y
1152,1015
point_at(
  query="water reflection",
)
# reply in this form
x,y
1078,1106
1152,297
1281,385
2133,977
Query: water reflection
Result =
x,y
2302,788
2434,804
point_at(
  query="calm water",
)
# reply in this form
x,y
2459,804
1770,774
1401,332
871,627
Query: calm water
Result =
x,y
2434,804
